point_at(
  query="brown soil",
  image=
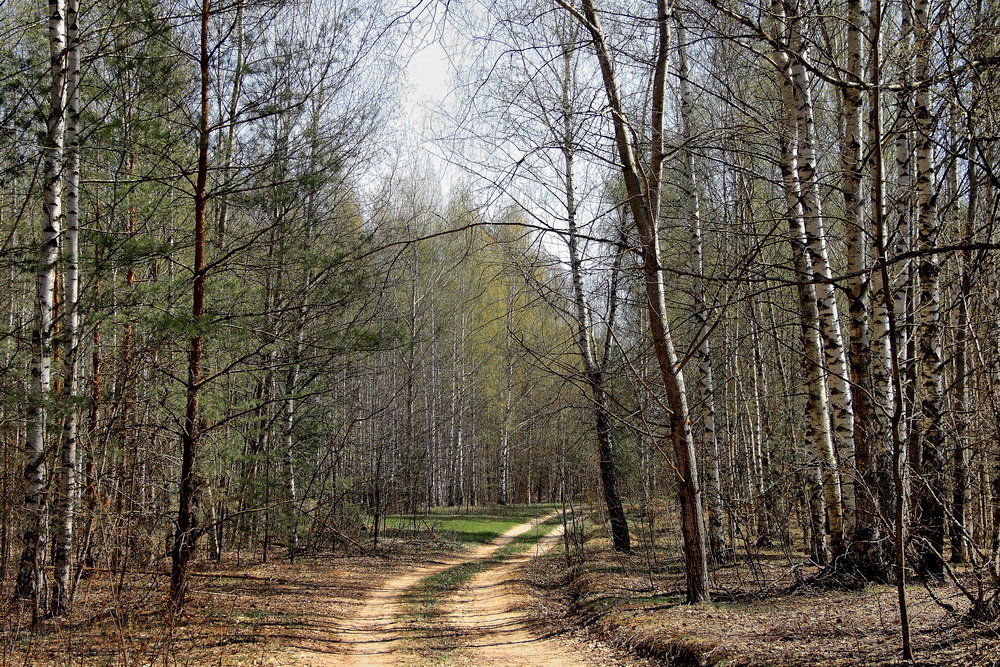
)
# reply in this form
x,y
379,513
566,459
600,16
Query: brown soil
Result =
x,y
491,613
269,614
329,610
757,617
382,634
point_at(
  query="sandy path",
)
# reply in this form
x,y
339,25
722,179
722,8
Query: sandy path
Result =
x,y
494,628
376,634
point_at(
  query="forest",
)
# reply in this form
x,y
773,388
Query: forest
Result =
x,y
663,333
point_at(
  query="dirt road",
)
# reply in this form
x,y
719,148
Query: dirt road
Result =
x,y
483,622
495,628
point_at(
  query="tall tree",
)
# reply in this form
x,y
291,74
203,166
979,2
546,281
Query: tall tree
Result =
x,y
642,183
67,486
817,409
187,530
593,366
707,435
928,435
30,575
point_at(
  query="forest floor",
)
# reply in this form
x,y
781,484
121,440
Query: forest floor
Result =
x,y
445,593
494,589
765,611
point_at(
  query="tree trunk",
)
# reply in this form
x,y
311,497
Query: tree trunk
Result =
x,y
865,550
620,539
30,575
962,406
899,472
67,493
187,530
288,437
707,436
929,431
817,431
643,200
835,358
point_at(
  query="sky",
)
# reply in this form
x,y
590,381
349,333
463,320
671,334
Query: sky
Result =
x,y
427,90
428,80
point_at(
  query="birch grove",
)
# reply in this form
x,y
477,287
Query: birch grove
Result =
x,y
720,276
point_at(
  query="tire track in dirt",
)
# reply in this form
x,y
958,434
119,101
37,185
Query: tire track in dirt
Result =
x,y
377,634
494,628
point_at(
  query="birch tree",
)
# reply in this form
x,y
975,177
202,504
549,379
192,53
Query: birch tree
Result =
x,y
929,431
835,356
868,426
65,514
817,410
31,574
707,435
593,366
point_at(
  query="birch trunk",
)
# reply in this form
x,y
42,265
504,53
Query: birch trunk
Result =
x,y
30,574
899,475
621,541
835,358
881,398
706,385
503,472
239,72
288,439
867,534
901,239
817,430
929,430
67,488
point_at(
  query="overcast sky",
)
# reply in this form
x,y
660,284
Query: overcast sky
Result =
x,y
428,88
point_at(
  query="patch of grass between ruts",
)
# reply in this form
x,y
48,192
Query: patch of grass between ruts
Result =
x,y
423,598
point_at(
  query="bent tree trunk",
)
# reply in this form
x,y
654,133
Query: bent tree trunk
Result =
x,y
595,376
643,200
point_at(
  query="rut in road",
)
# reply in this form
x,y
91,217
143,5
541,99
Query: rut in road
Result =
x,y
494,629
377,635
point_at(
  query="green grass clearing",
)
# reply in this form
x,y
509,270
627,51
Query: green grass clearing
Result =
x,y
478,526
422,600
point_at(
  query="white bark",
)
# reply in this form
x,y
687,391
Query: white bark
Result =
x,y
929,430
817,429
30,576
288,438
706,376
903,200
67,488
835,357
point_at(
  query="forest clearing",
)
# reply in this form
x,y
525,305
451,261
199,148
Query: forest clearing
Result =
x,y
499,332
